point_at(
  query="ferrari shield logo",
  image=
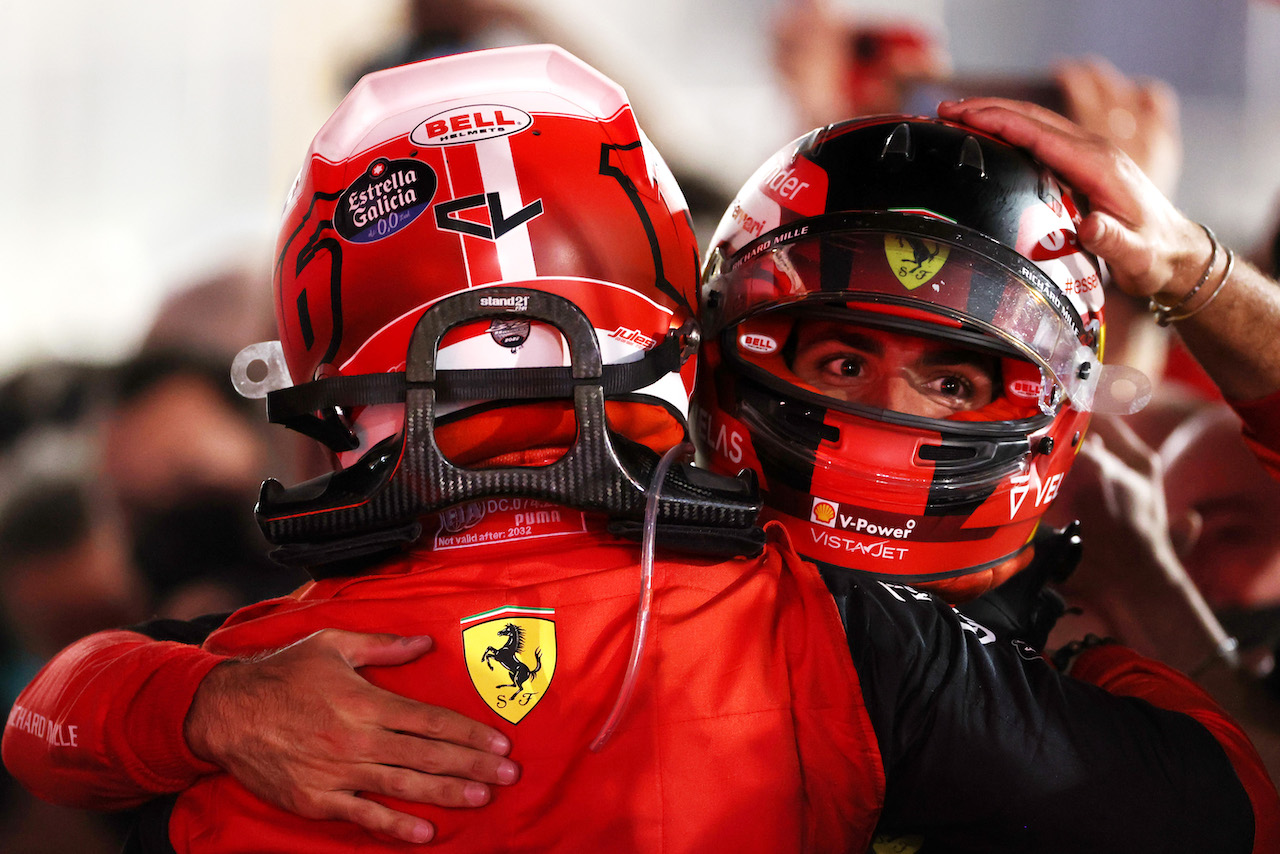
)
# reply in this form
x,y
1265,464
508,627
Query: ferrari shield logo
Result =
x,y
511,657
914,260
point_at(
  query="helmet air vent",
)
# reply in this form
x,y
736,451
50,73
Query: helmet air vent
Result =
x,y
898,143
946,453
971,157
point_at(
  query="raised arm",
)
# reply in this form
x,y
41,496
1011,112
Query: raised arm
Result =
x,y
1152,248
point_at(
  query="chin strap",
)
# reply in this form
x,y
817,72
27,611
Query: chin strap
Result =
x,y
296,407
344,520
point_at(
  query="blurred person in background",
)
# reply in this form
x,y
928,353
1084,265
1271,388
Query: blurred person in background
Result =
x,y
183,456
65,569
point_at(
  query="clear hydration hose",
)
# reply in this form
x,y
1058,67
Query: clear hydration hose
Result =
x,y
647,543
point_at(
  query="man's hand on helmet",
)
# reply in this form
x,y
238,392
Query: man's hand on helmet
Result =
x,y
1152,249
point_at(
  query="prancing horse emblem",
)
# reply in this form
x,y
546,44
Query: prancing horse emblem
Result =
x,y
523,642
506,656
914,260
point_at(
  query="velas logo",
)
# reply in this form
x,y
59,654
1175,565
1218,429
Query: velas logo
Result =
x,y
511,657
824,512
470,124
386,198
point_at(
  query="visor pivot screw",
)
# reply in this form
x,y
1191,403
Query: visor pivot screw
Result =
x,y
1045,446
1084,371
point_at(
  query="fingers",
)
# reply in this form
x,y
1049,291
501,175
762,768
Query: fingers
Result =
x,y
1002,115
441,725
1124,249
1084,160
347,806
413,787
445,759
1158,98
361,649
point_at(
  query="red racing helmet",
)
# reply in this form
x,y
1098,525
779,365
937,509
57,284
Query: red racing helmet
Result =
x,y
511,193
926,234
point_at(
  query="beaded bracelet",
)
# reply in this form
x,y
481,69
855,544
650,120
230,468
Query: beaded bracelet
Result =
x,y
1165,313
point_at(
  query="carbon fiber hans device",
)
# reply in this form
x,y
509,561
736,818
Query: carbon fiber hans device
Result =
x,y
375,506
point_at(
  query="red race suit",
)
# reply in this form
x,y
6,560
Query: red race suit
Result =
x,y
759,721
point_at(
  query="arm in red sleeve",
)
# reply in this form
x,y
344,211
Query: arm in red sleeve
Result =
x,y
1123,672
1262,429
101,726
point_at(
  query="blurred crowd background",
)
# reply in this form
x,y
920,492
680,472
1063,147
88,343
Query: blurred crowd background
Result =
x,y
145,141
149,144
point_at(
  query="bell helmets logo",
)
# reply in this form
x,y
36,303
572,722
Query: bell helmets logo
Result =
x,y
757,343
824,512
1025,389
511,657
470,124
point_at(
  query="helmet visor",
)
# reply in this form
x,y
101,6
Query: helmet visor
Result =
x,y
931,274
873,363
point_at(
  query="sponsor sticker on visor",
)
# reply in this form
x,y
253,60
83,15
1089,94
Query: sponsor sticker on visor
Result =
x,y
1025,389
757,343
914,260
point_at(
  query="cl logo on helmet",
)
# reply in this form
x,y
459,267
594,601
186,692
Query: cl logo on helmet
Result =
x,y
470,124
824,513
757,343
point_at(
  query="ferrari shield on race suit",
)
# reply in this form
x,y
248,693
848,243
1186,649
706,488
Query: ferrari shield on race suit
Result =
x,y
956,252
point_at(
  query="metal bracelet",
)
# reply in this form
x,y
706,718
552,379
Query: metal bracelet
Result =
x,y
1164,313
1226,274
